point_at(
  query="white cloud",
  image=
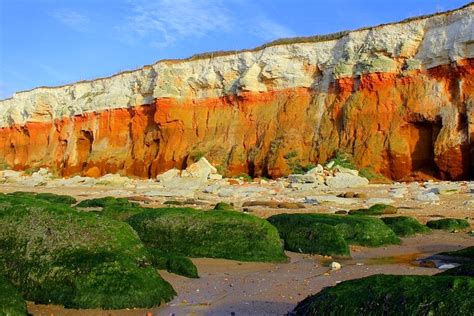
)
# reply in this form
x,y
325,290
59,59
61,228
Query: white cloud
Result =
x,y
269,30
163,22
168,20
72,19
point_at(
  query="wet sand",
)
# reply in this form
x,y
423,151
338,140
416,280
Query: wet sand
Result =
x,y
244,288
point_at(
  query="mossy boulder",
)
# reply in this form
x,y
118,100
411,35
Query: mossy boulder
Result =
x,y
222,206
465,257
213,234
49,197
449,224
106,201
11,302
313,238
405,226
116,208
174,264
57,255
374,210
393,295
356,230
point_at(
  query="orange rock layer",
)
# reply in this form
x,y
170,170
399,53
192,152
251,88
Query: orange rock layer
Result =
x,y
400,125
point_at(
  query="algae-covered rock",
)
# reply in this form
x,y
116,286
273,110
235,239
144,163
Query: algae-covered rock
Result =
x,y
405,226
223,206
357,230
11,302
393,295
448,224
57,255
213,234
105,201
313,238
50,197
173,263
377,209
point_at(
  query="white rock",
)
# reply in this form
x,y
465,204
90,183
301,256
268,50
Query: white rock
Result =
x,y
216,176
345,180
318,170
168,175
335,266
398,193
445,189
346,170
427,197
201,169
447,266
213,188
302,178
319,199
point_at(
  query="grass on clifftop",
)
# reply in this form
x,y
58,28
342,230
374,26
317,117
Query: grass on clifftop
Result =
x,y
393,295
213,234
11,302
405,226
58,255
357,230
449,224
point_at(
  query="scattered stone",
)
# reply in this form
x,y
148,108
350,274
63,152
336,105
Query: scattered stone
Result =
x,y
302,178
427,197
168,175
319,199
341,212
335,266
447,266
201,170
345,180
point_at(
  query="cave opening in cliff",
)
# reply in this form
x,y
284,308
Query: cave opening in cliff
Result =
x,y
423,135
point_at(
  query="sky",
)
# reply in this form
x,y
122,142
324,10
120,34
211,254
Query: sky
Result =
x,y
54,42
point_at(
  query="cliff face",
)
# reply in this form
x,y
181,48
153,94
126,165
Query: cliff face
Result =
x,y
398,97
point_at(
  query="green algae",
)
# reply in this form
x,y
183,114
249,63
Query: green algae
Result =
x,y
213,234
11,302
393,295
449,224
57,255
405,226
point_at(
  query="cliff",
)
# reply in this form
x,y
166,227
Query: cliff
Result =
x,y
398,97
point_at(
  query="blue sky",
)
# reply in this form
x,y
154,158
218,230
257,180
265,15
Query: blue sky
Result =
x,y
53,42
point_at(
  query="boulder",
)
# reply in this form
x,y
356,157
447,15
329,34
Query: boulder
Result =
x,y
346,180
168,175
201,169
302,178
427,196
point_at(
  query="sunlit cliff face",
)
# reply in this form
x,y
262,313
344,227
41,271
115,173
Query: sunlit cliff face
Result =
x,y
399,98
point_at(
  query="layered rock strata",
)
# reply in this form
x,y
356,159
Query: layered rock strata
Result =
x,y
398,97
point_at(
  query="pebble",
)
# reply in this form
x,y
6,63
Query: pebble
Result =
x,y
335,266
